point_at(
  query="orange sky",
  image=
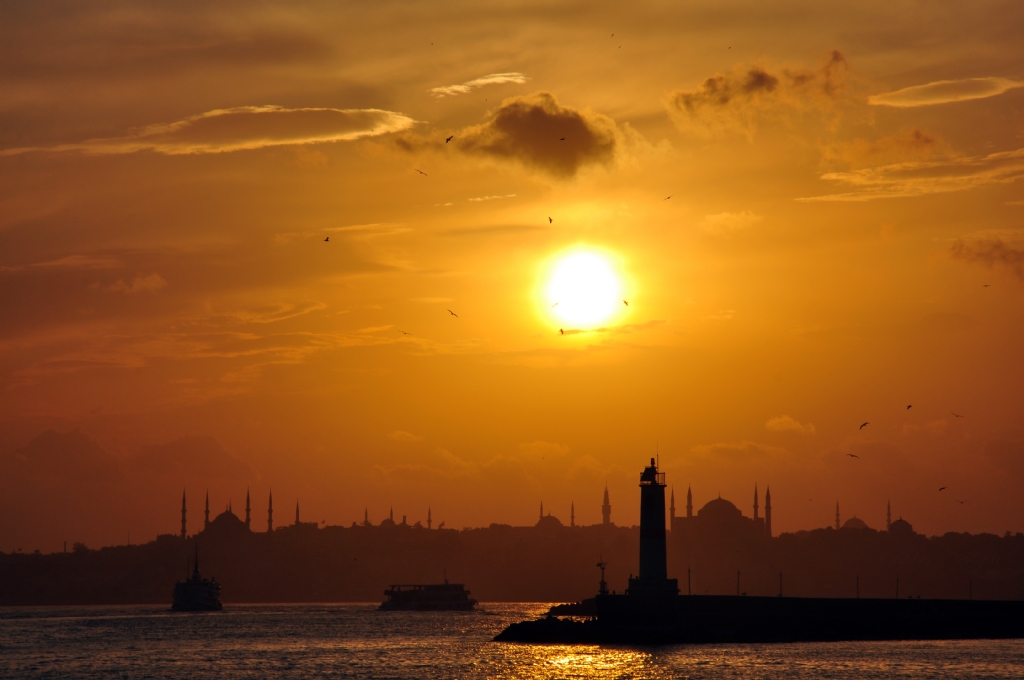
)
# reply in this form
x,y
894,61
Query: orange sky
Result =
x,y
844,182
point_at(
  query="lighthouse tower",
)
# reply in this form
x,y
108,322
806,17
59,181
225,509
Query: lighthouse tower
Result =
x,y
653,576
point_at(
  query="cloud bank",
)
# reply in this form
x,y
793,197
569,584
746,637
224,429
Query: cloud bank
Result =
x,y
543,135
945,92
244,127
469,85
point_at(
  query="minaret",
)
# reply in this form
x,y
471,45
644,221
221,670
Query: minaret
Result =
x,y
606,508
572,514
542,509
182,515
672,511
391,515
270,513
755,503
207,522
366,517
429,521
888,515
768,511
248,510
296,513
689,502
837,514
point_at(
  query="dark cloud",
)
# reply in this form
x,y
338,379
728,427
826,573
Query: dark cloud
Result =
x,y
544,135
991,253
729,99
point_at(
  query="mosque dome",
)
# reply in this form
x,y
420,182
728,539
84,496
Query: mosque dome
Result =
x,y
549,522
901,526
719,508
855,523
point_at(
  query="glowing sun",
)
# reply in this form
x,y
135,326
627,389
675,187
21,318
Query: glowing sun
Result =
x,y
584,290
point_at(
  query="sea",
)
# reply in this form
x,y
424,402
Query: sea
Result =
x,y
357,641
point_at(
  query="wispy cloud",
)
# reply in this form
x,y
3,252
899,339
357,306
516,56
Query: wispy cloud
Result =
x,y
69,262
918,178
945,92
731,101
992,252
469,85
725,224
141,284
403,436
490,198
788,424
241,128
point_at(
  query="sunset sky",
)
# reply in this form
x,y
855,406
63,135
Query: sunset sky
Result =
x,y
843,237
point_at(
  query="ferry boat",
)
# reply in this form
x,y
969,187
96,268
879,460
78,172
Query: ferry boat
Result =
x,y
432,597
197,594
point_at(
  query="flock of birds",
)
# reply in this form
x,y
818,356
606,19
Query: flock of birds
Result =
x,y
910,406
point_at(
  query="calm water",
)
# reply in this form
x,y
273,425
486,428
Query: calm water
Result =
x,y
355,641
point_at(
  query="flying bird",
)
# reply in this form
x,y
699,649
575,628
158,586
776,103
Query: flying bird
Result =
x,y
862,426
449,139
853,455
986,285
942,488
327,239
957,415
561,332
554,305
626,302
421,172
550,220
668,197
960,501
403,332
908,406
561,139
453,314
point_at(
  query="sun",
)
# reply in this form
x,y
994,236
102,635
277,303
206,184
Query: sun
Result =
x,y
584,289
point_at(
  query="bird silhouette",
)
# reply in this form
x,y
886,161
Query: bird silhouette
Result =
x,y
554,305
853,455
561,331
550,220
863,425
449,139
422,173
626,302
453,314
561,139
668,197
942,488
960,501
957,415
403,332
986,285
327,239
908,406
